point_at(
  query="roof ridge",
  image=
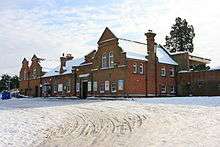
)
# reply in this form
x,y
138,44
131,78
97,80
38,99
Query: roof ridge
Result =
x,y
133,41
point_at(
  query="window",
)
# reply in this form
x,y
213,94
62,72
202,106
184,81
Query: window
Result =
x,y
163,89
68,86
113,87
172,89
172,72
106,85
34,73
120,84
102,88
108,60
77,87
141,68
111,60
95,86
55,88
104,61
163,72
200,83
135,68
89,86
60,87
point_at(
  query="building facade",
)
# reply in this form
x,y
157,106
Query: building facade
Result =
x,y
114,69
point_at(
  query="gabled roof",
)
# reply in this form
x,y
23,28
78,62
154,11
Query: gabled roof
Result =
x,y
68,68
140,52
34,57
106,35
25,61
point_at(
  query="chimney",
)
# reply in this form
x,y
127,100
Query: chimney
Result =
x,y
63,60
151,80
151,45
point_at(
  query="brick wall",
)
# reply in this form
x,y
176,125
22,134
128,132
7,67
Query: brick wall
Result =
x,y
199,83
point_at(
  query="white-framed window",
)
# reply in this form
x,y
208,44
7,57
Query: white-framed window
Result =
x,y
172,72
104,60
68,86
135,68
114,87
107,86
77,87
111,59
120,84
141,68
163,72
34,73
95,86
55,88
60,87
102,87
172,89
89,86
163,89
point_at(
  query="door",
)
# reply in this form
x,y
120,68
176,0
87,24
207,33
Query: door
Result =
x,y
84,90
36,91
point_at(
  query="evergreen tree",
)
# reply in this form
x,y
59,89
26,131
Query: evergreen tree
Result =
x,y
200,67
181,36
7,82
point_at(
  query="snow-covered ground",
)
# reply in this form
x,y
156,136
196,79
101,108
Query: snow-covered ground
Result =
x,y
201,101
138,122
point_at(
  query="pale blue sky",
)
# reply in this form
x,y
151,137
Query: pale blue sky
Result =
x,y
50,27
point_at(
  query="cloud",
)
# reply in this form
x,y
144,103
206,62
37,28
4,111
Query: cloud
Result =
x,y
49,28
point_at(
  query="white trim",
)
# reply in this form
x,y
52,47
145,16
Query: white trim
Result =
x,y
84,75
107,40
165,89
141,67
199,59
172,91
164,73
85,64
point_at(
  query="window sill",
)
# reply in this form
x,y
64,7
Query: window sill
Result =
x,y
104,68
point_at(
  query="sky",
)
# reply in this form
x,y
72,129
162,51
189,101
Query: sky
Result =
x,y
49,28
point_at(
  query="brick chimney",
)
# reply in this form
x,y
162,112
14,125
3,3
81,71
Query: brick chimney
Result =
x,y
63,60
151,64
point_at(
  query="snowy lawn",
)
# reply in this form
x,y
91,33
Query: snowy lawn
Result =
x,y
200,101
142,122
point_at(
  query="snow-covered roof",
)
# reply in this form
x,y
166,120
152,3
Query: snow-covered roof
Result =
x,y
67,68
138,50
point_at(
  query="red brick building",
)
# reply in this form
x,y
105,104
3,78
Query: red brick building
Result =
x,y
114,69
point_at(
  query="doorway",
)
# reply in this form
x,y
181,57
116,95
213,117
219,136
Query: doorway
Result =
x,y
84,90
36,91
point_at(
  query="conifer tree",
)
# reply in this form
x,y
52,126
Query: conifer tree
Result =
x,y
181,36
